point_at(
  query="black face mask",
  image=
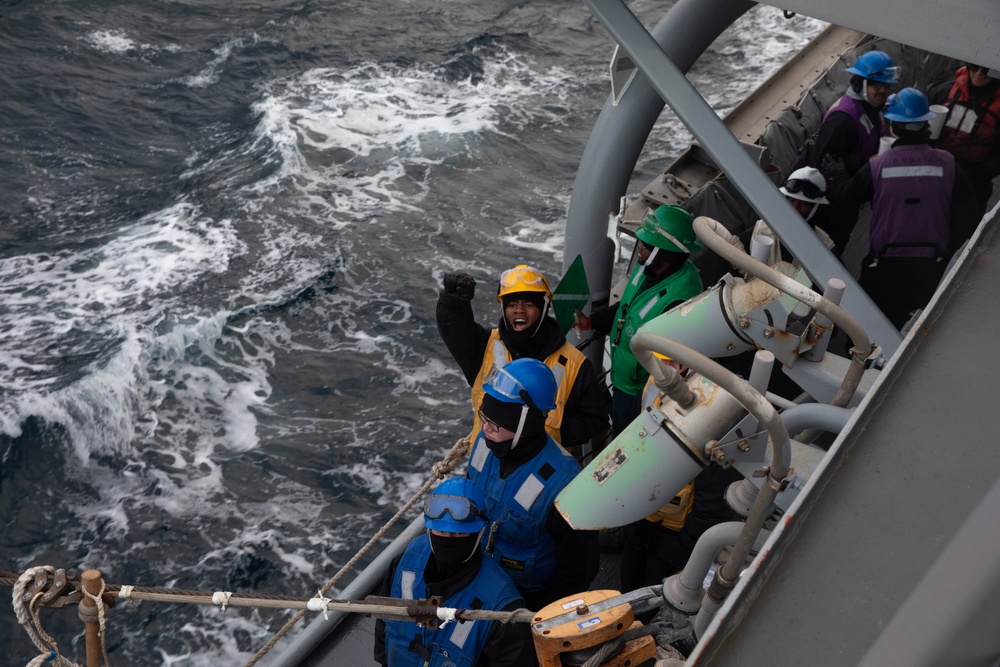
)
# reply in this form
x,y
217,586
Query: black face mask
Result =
x,y
500,449
450,551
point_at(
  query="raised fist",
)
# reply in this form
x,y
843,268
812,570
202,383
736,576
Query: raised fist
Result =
x,y
461,285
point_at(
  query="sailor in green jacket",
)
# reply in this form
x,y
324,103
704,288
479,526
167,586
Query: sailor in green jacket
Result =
x,y
663,278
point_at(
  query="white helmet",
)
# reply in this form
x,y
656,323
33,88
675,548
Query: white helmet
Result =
x,y
806,184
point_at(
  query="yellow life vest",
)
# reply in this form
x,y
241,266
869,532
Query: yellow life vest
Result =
x,y
565,364
673,514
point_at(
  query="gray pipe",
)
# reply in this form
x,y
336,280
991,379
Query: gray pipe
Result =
x,y
705,229
643,345
621,132
684,590
820,416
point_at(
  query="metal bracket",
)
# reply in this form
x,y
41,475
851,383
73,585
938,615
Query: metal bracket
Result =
x,y
874,359
423,611
765,471
56,592
642,595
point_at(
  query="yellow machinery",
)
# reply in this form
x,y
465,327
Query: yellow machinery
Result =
x,y
581,624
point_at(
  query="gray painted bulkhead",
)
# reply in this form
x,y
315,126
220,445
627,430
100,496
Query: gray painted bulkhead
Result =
x,y
968,30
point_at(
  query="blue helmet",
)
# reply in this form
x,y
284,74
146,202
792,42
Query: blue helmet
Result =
x,y
526,381
908,106
456,506
875,66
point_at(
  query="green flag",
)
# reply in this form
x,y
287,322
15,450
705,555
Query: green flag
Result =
x,y
573,293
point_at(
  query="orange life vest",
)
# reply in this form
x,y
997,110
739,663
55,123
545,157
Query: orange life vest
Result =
x,y
969,132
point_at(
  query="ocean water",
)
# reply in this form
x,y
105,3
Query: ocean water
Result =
x,y
222,231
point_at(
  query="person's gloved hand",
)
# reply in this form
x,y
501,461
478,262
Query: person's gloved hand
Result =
x,y
833,166
461,285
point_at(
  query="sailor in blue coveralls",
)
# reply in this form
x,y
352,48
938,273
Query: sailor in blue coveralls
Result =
x,y
520,469
447,561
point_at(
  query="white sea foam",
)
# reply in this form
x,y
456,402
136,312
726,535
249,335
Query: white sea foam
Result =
x,y
119,42
201,318
211,72
112,41
377,122
77,301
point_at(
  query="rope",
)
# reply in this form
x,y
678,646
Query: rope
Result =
x,y
613,647
87,615
223,599
440,469
607,651
49,650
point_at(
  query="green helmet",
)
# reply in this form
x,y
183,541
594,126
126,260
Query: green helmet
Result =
x,y
669,227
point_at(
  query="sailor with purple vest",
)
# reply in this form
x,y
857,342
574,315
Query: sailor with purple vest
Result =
x,y
923,209
851,130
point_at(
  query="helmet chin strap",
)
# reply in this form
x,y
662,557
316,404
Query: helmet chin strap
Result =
x,y
652,256
475,547
541,320
812,212
520,426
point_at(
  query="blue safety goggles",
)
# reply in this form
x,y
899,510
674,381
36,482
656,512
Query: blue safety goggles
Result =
x,y
508,386
459,507
505,384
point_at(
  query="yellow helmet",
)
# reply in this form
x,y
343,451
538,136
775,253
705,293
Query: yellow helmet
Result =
x,y
522,278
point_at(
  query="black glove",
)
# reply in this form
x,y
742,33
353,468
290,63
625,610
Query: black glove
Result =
x,y
461,285
833,166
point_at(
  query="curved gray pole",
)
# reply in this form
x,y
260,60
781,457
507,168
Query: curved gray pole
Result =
x,y
620,132
666,65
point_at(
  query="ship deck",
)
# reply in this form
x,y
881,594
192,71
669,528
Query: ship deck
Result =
x,y
888,514
895,555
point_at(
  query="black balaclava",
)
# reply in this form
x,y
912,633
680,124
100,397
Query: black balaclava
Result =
x,y
450,550
509,415
661,263
537,298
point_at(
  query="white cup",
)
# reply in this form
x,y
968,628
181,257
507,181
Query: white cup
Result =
x,y
884,144
936,124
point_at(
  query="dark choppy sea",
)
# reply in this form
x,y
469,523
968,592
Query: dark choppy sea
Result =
x,y
222,227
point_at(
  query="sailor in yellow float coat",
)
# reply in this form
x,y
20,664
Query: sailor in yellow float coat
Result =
x,y
525,329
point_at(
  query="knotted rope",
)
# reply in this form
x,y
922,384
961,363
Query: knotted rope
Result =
x,y
28,617
440,469
96,614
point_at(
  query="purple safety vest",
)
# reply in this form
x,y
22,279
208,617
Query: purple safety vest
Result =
x,y
910,207
868,132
